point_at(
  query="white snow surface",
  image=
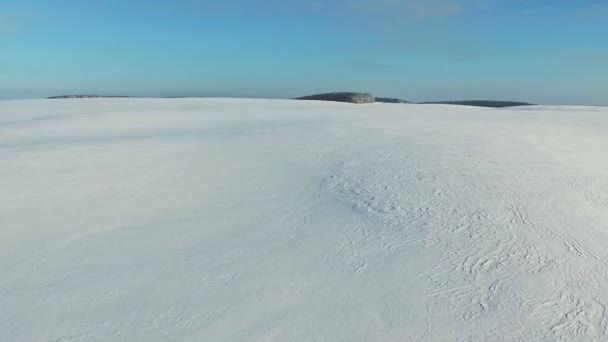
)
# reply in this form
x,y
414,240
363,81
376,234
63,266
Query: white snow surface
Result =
x,y
278,220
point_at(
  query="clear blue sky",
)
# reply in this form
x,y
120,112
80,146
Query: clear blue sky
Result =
x,y
553,52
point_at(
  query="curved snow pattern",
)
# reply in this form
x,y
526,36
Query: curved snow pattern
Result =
x,y
258,220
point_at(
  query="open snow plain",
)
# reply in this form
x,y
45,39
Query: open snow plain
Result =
x,y
256,220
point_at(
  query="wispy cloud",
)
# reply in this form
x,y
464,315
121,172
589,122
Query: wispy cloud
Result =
x,y
383,11
593,58
408,8
6,26
12,19
598,11
430,27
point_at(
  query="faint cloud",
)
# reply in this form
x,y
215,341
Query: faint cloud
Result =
x,y
371,65
593,58
402,8
4,27
7,27
410,8
380,12
430,27
12,19
441,10
595,11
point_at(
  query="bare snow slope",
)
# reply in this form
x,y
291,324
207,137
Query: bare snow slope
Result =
x,y
254,220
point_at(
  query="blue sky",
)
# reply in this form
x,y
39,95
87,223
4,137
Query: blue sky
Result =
x,y
553,52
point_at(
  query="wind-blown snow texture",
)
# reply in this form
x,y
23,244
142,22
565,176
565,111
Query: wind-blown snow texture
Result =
x,y
256,220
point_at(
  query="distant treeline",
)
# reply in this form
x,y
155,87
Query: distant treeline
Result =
x,y
390,100
85,96
367,98
341,97
349,97
482,103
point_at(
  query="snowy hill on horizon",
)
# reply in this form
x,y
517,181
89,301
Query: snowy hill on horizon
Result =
x,y
279,220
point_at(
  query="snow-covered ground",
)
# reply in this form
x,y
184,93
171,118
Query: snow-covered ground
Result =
x,y
256,220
